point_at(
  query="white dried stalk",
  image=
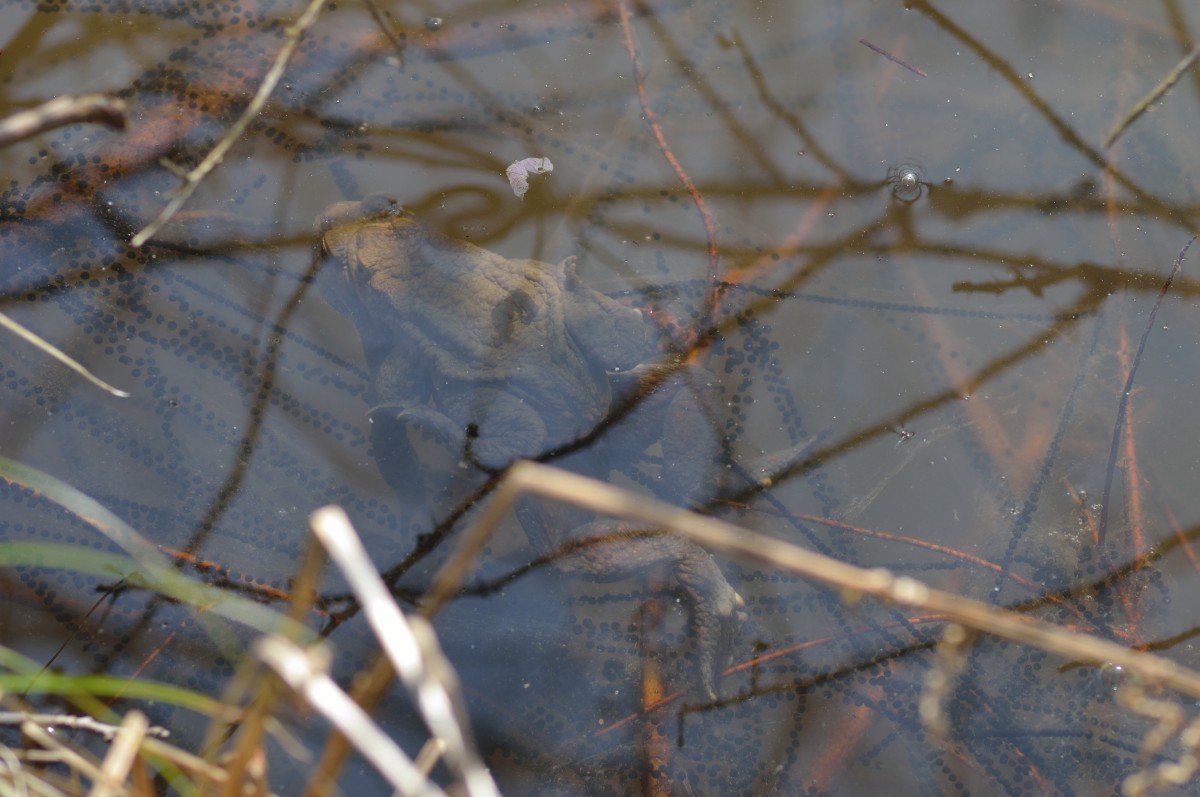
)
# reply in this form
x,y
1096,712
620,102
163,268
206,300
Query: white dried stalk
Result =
x,y
412,648
76,722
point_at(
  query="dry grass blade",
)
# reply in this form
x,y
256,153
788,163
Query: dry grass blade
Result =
x,y
49,348
412,649
61,753
855,582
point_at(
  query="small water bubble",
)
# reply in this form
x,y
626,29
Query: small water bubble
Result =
x,y
433,23
907,180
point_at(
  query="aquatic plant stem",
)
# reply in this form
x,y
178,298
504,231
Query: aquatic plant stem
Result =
x,y
1154,96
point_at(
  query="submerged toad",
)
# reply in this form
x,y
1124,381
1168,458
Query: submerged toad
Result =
x,y
503,358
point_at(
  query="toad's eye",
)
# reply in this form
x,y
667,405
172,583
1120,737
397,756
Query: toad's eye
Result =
x,y
907,181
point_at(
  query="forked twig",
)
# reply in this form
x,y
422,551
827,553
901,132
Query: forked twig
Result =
x,y
191,180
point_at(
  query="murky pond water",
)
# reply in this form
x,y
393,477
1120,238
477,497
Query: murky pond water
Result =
x,y
936,274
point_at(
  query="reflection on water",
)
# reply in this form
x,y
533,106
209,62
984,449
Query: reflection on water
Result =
x,y
959,335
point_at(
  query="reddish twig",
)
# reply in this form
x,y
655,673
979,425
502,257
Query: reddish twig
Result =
x,y
710,234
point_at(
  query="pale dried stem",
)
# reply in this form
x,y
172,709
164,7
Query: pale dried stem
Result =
x,y
58,354
74,721
855,582
62,111
121,755
61,752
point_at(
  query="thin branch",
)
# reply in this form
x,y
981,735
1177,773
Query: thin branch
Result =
x,y
193,178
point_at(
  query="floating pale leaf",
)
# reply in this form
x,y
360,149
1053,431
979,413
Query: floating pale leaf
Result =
x,y
519,172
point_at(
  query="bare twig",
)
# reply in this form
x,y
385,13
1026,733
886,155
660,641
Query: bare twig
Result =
x,y
193,178
58,354
75,721
62,111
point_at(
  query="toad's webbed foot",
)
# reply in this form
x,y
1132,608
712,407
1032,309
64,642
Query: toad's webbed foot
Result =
x,y
609,550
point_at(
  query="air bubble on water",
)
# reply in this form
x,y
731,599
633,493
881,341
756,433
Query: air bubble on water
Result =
x,y
1112,675
907,180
